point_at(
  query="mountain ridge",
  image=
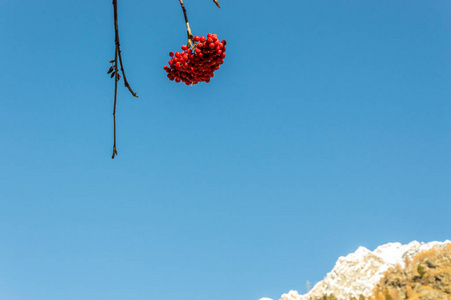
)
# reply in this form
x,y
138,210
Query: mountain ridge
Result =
x,y
358,273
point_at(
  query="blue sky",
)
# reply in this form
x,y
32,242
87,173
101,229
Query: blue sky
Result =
x,y
328,127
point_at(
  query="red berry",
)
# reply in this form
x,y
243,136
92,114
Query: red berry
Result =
x,y
192,66
171,54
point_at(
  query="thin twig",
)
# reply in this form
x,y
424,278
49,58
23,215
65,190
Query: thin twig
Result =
x,y
118,45
217,3
123,74
116,79
116,72
188,30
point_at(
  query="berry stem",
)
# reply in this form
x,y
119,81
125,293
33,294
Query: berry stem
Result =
x,y
188,29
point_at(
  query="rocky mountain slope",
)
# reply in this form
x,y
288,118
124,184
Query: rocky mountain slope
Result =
x,y
427,276
361,274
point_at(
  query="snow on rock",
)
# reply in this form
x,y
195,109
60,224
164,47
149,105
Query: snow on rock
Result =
x,y
358,273
292,295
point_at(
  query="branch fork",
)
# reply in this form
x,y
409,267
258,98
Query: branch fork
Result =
x,y
114,70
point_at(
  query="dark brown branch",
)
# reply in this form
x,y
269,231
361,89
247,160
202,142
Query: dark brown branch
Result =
x,y
116,71
123,74
217,3
118,46
116,79
188,30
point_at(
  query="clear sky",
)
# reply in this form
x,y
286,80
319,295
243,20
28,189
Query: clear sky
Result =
x,y
328,127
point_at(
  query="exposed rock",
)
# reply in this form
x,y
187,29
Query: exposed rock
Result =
x,y
357,275
426,276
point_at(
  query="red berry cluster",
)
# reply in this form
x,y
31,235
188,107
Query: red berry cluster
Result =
x,y
197,64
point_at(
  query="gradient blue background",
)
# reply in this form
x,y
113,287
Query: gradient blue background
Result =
x,y
327,128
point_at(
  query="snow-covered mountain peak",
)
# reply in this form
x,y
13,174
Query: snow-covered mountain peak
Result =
x,y
357,255
358,273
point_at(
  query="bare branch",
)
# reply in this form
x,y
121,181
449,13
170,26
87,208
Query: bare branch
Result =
x,y
117,55
116,79
118,45
123,74
217,3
